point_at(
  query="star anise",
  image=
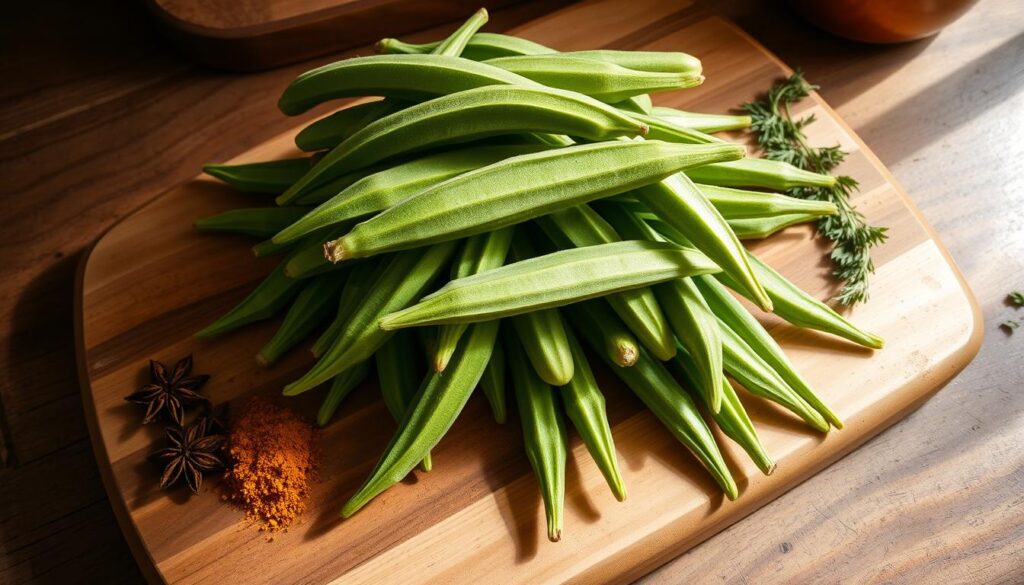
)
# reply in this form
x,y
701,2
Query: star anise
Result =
x,y
169,394
190,452
214,419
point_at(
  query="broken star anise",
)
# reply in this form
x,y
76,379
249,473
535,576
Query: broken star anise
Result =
x,y
170,393
190,452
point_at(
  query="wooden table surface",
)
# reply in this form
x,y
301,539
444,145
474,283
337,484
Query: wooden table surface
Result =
x,y
98,116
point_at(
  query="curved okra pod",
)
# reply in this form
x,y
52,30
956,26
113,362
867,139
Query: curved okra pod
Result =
x,y
342,385
584,405
701,122
270,177
407,276
656,387
399,377
261,222
332,130
758,172
638,104
736,316
269,297
678,203
357,286
743,364
466,116
269,248
310,308
801,309
762,227
438,402
521,188
552,280
544,436
308,256
743,204
617,343
660,129
732,418
581,226
493,384
601,80
383,189
480,252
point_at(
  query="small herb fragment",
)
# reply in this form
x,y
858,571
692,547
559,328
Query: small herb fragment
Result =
x,y
1016,297
170,394
1010,325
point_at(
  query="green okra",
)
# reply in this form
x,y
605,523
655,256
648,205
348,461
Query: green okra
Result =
x,y
269,248
269,177
736,316
754,374
407,77
617,343
342,385
399,377
521,188
435,407
358,283
325,191
702,122
656,388
732,418
638,104
544,436
762,227
744,204
585,406
310,308
269,297
308,258
407,276
456,42
493,384
480,252
261,222
801,309
601,80
678,203
758,172
638,308
332,130
553,280
470,115
388,187
660,129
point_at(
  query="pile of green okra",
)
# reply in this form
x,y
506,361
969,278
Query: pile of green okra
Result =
x,y
503,206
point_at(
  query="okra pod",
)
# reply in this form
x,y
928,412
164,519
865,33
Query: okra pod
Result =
x,y
617,343
357,285
743,204
342,385
399,377
310,308
269,177
332,130
261,222
493,383
759,172
435,407
308,258
762,227
702,122
553,280
660,129
269,297
544,436
521,188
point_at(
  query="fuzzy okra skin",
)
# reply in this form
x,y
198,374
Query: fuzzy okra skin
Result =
x,y
269,177
732,418
310,308
656,388
406,277
585,406
399,377
357,285
493,384
581,226
701,122
383,189
552,280
332,130
677,202
480,252
261,222
736,316
601,80
466,116
744,204
758,172
660,129
762,227
307,259
270,296
544,436
617,343
521,188
435,407
342,385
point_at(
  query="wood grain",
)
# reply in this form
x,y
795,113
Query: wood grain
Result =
x,y
478,516
93,94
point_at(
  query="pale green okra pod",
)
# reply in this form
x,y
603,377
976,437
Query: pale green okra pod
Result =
x,y
759,172
399,377
701,122
617,343
310,308
744,204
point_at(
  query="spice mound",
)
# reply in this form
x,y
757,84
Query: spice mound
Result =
x,y
274,455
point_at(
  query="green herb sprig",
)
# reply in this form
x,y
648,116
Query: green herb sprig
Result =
x,y
780,137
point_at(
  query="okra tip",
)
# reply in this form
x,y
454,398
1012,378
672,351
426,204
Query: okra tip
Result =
x,y
627,356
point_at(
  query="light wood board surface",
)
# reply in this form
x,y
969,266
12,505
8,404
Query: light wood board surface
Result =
x,y
150,282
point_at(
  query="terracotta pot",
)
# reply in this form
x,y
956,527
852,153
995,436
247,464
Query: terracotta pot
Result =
x,y
882,21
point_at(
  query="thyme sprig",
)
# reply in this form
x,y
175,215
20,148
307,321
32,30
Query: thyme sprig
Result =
x,y
780,137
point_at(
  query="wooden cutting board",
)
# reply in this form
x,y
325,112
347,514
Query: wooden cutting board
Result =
x,y
151,282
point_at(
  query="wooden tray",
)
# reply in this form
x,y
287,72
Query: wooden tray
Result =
x,y
151,282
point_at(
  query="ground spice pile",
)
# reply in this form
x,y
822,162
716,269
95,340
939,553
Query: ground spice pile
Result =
x,y
274,455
